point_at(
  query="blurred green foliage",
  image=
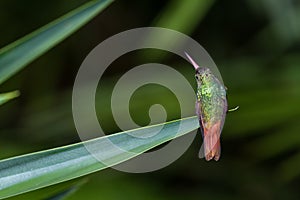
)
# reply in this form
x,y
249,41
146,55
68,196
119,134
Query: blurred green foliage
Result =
x,y
256,47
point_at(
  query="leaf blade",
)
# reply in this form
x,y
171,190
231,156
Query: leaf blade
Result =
x,y
5,97
64,194
23,51
33,171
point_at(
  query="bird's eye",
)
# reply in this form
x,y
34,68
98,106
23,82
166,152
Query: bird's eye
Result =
x,y
197,77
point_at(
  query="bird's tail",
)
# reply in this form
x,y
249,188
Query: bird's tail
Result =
x,y
212,145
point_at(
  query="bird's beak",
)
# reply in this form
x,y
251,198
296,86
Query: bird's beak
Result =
x,y
196,66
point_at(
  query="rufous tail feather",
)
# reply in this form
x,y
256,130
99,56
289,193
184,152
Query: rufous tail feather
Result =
x,y
212,145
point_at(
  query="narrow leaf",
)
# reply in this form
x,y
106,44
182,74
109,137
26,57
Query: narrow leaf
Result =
x,y
30,172
183,16
20,53
8,96
66,192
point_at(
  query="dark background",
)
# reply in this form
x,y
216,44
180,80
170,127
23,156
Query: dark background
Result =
x,y
256,46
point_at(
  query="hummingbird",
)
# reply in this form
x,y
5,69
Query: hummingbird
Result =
x,y
211,109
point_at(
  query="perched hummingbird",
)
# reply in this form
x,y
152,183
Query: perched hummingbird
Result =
x,y
211,109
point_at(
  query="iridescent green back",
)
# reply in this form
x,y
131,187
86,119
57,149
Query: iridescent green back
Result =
x,y
211,102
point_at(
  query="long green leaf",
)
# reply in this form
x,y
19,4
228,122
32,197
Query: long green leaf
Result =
x,y
67,192
20,53
183,16
8,96
37,170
